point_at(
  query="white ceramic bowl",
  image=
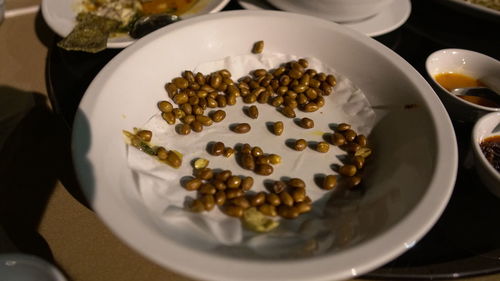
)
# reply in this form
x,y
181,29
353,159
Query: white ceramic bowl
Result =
x,y
336,10
486,126
60,16
414,166
23,267
469,63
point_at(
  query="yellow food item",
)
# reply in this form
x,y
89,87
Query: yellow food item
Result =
x,y
257,221
451,81
167,6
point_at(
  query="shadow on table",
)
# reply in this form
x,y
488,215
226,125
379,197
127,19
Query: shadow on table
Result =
x,y
34,154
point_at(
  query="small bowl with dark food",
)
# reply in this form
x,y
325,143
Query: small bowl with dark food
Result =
x,y
467,82
486,147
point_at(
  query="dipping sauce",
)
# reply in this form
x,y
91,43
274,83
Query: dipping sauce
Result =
x,y
166,6
451,81
490,147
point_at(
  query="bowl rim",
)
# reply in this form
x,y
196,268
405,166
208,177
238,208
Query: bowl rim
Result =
x,y
461,101
412,227
477,138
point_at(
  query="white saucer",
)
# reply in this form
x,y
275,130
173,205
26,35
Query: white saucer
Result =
x,y
24,267
391,18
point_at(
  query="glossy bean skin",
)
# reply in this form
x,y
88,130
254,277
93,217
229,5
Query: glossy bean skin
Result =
x,y
204,173
286,198
278,128
253,112
322,147
353,181
218,115
296,183
264,169
268,210
234,211
193,184
329,182
258,47
241,128
145,135
300,144
246,183
337,139
247,162
306,123
165,106
218,148
348,170
288,112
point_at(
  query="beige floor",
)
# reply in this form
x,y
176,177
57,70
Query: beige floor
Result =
x,y
34,160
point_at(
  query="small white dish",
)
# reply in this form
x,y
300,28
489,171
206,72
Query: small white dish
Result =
x,y
392,17
23,267
60,16
414,168
469,63
486,126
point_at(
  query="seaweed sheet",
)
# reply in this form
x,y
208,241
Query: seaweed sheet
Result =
x,y
90,33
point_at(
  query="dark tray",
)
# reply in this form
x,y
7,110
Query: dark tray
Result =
x,y
466,239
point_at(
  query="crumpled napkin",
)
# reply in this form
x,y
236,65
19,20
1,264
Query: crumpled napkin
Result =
x,y
160,185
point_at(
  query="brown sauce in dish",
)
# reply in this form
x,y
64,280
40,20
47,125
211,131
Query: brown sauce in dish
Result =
x,y
451,81
480,101
490,147
176,7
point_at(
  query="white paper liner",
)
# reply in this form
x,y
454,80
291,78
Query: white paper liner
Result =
x,y
160,185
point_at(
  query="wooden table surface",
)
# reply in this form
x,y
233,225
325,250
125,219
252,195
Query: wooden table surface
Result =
x,y
39,213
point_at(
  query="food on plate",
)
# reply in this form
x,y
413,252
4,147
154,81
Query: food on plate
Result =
x,y
329,182
306,123
201,163
253,112
196,100
230,193
254,159
291,85
322,147
278,128
258,47
490,147
218,115
492,4
255,220
90,34
242,128
300,144
140,139
98,20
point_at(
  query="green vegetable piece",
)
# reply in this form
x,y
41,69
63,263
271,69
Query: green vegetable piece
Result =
x,y
147,149
90,34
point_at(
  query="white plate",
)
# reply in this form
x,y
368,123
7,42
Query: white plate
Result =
x,y
476,9
60,16
388,20
23,267
411,179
